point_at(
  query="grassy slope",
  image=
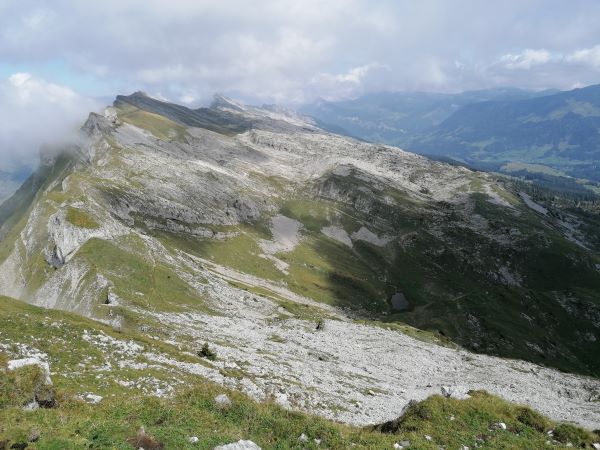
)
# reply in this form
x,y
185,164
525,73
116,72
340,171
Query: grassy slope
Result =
x,y
134,275
448,280
192,412
80,218
160,126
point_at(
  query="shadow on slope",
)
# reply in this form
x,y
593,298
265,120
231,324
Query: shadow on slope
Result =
x,y
514,288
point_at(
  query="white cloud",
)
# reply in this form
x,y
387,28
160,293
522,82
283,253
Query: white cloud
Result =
x,y
356,74
347,84
589,56
187,99
19,79
527,59
34,112
290,50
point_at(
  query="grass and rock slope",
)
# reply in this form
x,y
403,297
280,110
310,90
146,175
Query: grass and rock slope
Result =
x,y
333,276
94,367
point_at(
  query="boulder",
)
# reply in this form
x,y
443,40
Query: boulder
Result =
x,y
31,406
399,302
239,445
92,398
45,397
145,441
222,401
34,435
500,426
458,392
43,365
447,391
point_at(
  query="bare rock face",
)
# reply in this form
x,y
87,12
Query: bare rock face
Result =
x,y
66,238
447,391
97,125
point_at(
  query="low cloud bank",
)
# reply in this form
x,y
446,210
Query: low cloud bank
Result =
x,y
33,113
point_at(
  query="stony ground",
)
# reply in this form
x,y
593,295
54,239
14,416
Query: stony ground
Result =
x,y
357,373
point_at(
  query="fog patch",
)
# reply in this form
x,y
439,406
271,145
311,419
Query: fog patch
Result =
x,y
36,113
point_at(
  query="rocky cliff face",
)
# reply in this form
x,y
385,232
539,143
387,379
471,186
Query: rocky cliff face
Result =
x,y
246,228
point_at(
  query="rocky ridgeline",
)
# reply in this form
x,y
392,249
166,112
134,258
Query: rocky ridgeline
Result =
x,y
151,183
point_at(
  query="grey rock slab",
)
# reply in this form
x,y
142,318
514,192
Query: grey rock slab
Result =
x,y
239,445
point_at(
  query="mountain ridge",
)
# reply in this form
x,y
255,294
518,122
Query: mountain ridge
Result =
x,y
250,238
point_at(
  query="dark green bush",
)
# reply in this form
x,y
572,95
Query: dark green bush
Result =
x,y
207,352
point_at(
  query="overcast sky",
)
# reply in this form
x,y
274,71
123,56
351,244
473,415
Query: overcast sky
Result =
x,y
66,53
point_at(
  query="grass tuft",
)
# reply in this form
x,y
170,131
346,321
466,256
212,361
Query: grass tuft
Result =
x,y
567,433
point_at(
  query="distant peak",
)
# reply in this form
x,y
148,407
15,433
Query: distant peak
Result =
x,y
98,123
139,95
221,101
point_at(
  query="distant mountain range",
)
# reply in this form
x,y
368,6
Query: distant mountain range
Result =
x,y
10,182
556,133
389,116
